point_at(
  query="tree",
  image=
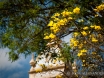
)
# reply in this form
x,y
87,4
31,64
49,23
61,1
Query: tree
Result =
x,y
28,25
24,23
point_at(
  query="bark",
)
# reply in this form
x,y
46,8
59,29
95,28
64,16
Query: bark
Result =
x,y
68,69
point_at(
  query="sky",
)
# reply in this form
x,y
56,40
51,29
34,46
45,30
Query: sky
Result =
x,y
17,69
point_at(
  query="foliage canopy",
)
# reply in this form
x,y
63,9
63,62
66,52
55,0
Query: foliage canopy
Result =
x,y
28,25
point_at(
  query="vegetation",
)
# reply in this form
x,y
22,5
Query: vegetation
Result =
x,y
27,26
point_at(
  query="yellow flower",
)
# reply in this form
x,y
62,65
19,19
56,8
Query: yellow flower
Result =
x,y
83,60
56,14
85,28
52,36
72,39
56,30
92,35
84,33
70,18
75,43
97,28
76,10
100,7
84,42
92,26
70,13
46,37
83,50
66,13
54,24
96,15
54,27
76,34
79,54
61,22
65,20
94,40
95,10
80,45
50,23
56,19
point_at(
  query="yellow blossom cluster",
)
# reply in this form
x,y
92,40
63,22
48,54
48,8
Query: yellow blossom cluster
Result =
x,y
81,52
76,10
84,63
84,33
73,42
75,34
80,44
59,20
85,28
66,13
56,23
51,36
99,8
94,40
84,42
96,27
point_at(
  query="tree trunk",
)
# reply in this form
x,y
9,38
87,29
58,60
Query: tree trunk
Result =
x,y
68,69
